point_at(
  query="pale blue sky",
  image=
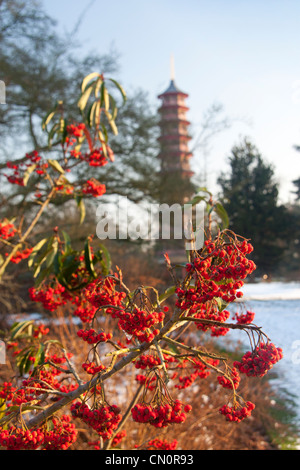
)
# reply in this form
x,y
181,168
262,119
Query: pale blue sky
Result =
x,y
240,53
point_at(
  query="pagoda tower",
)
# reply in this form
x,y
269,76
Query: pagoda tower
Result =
x,y
175,171
174,140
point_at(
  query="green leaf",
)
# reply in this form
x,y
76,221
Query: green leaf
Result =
x,y
56,166
114,109
82,211
51,114
40,355
84,98
98,87
106,265
35,250
196,200
120,88
50,257
57,263
52,133
204,190
221,304
42,274
103,143
24,362
91,113
67,241
81,207
87,79
168,292
54,341
70,264
111,123
2,409
27,173
221,212
48,119
38,265
88,259
104,97
18,327
43,254
63,129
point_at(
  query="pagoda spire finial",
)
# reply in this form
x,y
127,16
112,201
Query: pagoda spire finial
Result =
x,y
172,68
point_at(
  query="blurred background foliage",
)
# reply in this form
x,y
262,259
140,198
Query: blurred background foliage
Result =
x,y
40,66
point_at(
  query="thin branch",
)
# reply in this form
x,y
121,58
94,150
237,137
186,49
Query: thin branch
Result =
x,y
125,416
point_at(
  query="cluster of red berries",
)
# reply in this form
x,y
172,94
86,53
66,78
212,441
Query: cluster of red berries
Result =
x,y
33,384
15,438
245,318
187,380
50,297
36,383
227,383
237,414
95,158
211,312
75,130
85,312
104,419
102,292
16,397
52,294
59,360
40,330
7,391
137,322
60,437
32,158
218,272
259,362
7,230
162,444
94,188
199,370
160,415
147,360
148,382
98,293
115,442
65,188
20,255
219,331
118,438
92,368
91,337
